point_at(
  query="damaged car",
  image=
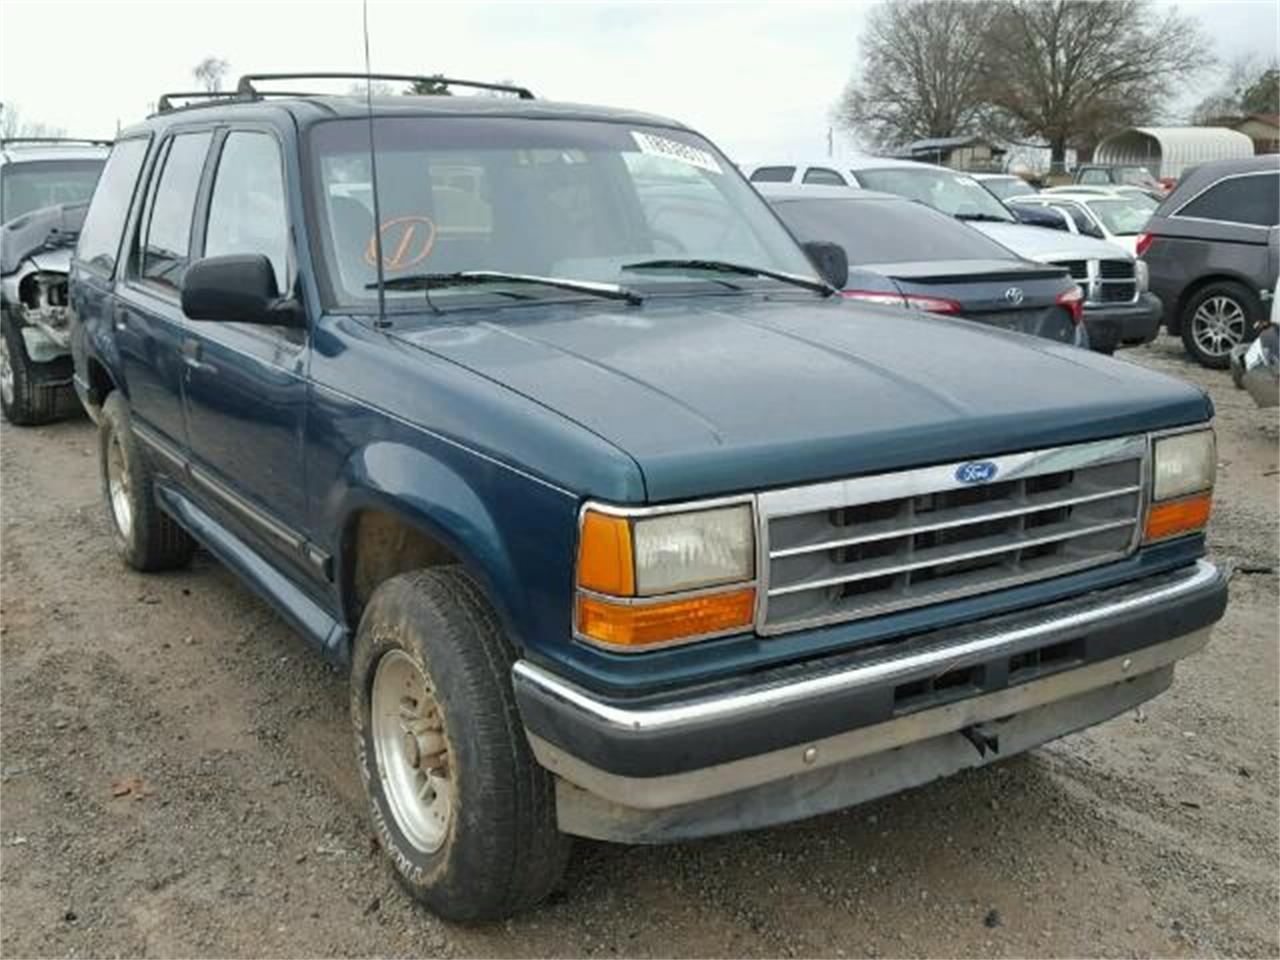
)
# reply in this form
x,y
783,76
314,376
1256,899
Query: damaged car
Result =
x,y
45,187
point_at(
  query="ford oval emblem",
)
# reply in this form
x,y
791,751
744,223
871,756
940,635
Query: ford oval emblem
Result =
x,y
1014,295
979,471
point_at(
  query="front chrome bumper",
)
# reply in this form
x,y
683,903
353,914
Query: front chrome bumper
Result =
x,y
618,762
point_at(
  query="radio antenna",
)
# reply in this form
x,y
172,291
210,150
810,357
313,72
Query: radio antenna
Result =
x,y
373,173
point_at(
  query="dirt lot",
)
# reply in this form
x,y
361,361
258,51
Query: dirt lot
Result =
x,y
177,779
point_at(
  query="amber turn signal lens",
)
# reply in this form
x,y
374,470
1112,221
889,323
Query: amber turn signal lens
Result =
x,y
604,555
643,624
1176,517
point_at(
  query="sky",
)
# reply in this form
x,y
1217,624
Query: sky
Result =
x,y
759,79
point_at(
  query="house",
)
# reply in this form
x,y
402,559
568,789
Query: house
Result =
x,y
1263,129
975,154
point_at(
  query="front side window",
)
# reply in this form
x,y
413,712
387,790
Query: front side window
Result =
x,y
773,175
1079,216
166,247
822,175
1094,176
99,242
954,194
573,200
1251,200
35,184
247,211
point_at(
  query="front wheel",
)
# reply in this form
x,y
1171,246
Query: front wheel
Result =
x,y
1217,319
27,397
464,812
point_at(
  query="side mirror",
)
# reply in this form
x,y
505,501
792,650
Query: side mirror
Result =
x,y
237,289
831,260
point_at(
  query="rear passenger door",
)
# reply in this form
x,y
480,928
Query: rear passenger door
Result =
x,y
148,315
245,383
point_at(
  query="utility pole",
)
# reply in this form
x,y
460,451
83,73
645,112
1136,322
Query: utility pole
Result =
x,y
830,145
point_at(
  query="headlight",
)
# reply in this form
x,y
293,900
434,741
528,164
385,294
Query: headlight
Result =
x,y
1182,475
1142,274
646,580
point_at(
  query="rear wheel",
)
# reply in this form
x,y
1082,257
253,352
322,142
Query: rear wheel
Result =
x,y
148,538
1217,318
464,812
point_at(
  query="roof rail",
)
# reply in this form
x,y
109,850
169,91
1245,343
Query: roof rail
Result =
x,y
246,85
165,103
96,143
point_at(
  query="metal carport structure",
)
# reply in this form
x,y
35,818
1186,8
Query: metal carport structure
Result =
x,y
1169,151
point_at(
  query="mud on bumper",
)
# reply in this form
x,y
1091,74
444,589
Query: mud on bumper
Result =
x,y
811,738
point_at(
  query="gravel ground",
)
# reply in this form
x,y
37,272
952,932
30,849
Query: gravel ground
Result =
x,y
177,780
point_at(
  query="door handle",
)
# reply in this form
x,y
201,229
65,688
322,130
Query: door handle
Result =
x,y
191,351
120,318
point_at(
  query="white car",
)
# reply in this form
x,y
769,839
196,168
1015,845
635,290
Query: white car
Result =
x,y
1115,218
1114,190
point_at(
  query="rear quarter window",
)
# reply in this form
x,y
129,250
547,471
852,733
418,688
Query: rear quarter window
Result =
x,y
99,243
1253,199
824,176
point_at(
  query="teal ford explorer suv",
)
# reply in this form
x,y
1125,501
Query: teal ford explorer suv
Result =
x,y
623,524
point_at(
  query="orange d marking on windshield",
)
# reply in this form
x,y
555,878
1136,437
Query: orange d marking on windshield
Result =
x,y
406,242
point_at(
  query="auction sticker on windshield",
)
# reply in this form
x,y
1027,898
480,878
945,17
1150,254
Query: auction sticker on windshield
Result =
x,y
663,147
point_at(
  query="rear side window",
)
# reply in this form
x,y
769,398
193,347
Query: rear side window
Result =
x,y
824,176
166,249
1252,199
888,231
99,243
1094,176
773,175
247,210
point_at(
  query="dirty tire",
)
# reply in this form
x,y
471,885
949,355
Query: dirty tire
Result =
x,y
1225,301
151,540
500,851
24,401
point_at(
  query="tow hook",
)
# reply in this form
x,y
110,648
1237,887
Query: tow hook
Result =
x,y
983,737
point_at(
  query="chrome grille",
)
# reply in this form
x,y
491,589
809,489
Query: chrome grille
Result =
x,y
862,547
1079,268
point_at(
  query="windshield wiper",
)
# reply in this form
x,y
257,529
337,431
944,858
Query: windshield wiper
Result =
x,y
984,217
724,266
430,281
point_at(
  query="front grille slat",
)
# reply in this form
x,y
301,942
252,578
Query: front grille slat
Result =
x,y
861,547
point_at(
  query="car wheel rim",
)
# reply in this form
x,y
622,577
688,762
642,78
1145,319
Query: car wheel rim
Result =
x,y
1218,325
118,485
6,373
411,751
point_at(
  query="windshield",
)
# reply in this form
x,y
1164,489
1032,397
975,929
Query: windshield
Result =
x,y
1137,176
1123,217
571,200
887,231
1006,188
36,184
952,193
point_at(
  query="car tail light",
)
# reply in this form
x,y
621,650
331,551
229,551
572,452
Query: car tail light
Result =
x,y
1073,299
932,304
1144,243
874,296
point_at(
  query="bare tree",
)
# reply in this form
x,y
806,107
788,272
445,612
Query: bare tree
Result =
x,y
921,72
1249,85
1071,71
209,73
14,124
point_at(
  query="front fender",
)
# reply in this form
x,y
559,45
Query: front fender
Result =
x,y
512,532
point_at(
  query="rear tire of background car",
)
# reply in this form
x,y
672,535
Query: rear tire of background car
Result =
x,y
148,538
24,400
464,812
1216,318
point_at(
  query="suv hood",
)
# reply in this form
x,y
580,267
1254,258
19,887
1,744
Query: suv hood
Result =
x,y
724,394
51,231
1041,243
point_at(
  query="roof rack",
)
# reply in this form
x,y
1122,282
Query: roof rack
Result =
x,y
246,86
166,102
86,140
